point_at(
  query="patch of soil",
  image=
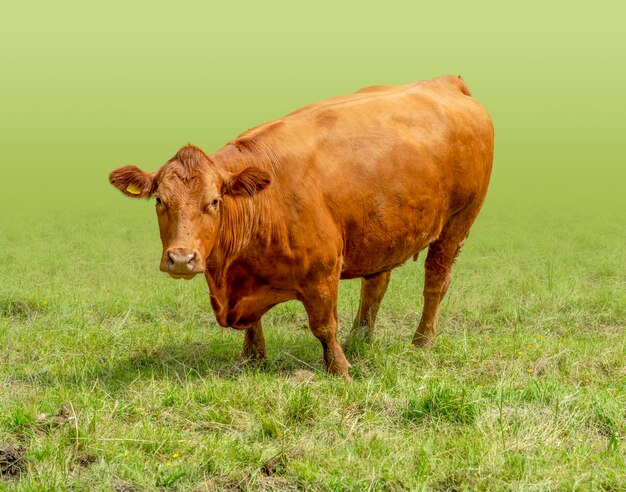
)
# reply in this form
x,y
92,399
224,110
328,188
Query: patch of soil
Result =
x,y
122,486
12,461
277,465
276,483
48,422
85,458
303,376
272,466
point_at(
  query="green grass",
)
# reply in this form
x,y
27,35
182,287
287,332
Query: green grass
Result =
x,y
115,376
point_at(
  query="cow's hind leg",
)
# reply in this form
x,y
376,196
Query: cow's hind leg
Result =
x,y
321,307
253,345
441,256
373,288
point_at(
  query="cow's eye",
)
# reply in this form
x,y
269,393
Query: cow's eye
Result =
x,y
158,201
212,206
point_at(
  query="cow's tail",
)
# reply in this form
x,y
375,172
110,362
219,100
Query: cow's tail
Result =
x,y
463,86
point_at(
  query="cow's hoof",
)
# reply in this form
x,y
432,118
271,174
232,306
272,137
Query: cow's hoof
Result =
x,y
246,360
343,375
341,371
422,341
232,372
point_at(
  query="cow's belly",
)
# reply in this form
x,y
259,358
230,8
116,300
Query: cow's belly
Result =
x,y
385,237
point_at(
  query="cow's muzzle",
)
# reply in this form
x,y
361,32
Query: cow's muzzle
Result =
x,y
180,263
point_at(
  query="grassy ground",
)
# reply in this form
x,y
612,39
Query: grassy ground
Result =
x,y
115,377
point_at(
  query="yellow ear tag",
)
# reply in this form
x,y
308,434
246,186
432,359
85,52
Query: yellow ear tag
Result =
x,y
131,188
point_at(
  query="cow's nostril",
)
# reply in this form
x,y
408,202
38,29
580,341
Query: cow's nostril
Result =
x,y
178,260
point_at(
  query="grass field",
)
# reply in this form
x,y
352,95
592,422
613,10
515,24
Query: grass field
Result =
x,y
116,377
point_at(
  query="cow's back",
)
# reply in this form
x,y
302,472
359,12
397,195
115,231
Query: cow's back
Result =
x,y
376,174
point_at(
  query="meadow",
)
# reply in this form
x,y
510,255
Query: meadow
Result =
x,y
115,377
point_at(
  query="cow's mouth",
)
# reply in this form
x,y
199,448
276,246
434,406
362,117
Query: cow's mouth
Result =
x,y
186,276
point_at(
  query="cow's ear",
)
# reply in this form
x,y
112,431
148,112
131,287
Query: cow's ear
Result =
x,y
247,182
132,181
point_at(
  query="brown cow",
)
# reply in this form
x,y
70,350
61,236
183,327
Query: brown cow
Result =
x,y
348,187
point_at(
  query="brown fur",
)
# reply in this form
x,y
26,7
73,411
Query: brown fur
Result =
x,y
348,187
247,183
131,175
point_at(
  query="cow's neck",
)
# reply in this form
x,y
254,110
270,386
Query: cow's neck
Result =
x,y
242,224
246,226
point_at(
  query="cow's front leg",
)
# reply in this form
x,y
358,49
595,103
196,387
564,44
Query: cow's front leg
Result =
x,y
321,306
253,345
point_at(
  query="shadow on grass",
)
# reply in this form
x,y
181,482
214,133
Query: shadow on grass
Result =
x,y
20,309
185,362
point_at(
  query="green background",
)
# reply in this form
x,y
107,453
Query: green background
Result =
x,y
109,368
88,87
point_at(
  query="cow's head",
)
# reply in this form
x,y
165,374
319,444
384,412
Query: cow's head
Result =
x,y
188,190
